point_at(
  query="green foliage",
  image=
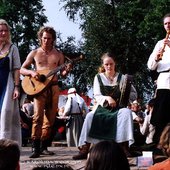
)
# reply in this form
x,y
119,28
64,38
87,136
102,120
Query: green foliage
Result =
x,y
129,28
25,18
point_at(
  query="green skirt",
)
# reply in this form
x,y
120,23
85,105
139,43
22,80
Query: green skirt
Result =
x,y
104,124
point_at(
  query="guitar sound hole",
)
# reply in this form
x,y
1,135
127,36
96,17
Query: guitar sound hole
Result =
x,y
42,78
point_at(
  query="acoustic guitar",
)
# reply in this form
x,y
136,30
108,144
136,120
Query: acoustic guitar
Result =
x,y
33,86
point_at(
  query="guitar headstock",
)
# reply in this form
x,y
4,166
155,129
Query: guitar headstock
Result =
x,y
81,57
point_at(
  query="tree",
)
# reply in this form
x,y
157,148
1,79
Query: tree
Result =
x,y
129,28
73,53
25,18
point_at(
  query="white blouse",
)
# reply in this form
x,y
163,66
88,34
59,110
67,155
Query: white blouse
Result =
x,y
101,98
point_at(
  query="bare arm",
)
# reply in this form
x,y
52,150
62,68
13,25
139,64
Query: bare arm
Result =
x,y
29,60
16,92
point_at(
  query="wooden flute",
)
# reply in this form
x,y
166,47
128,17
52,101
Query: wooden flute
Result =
x,y
163,48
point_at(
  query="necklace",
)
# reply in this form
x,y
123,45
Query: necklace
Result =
x,y
47,51
110,78
3,46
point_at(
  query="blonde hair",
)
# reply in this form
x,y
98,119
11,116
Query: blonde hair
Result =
x,y
164,142
3,22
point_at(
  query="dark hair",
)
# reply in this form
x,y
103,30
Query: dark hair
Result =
x,y
9,154
49,30
107,155
151,102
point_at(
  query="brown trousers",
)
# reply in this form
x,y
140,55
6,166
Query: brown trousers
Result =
x,y
45,109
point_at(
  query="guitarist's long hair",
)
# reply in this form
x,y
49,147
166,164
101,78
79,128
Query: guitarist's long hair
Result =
x,y
49,30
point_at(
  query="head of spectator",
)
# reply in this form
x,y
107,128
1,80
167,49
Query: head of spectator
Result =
x,y
72,93
164,142
107,155
135,106
9,155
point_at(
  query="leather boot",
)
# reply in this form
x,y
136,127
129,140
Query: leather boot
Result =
x,y
44,150
128,152
125,147
35,149
83,152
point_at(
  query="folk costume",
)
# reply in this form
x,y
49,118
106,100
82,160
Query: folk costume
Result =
x,y
9,109
75,109
160,116
103,123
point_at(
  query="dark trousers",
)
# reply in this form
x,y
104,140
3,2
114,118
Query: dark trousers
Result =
x,y
161,112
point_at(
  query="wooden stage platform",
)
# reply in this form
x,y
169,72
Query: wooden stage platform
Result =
x,y
62,155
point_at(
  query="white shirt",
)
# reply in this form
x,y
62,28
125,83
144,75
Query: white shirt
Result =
x,y
163,81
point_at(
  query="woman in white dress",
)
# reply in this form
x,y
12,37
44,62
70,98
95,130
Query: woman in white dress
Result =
x,y
110,119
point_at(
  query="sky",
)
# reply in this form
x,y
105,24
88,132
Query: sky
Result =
x,y
58,19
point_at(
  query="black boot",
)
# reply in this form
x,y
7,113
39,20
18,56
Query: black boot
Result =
x,y
35,149
83,152
44,150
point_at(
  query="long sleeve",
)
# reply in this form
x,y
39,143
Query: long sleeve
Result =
x,y
16,64
97,93
152,64
144,128
163,64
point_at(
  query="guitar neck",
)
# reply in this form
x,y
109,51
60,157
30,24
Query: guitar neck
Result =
x,y
56,70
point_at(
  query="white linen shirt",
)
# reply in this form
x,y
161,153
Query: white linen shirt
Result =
x,y
163,81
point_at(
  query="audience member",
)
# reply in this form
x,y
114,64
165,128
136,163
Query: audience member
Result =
x,y
28,108
75,109
164,146
9,155
138,118
26,126
107,155
146,128
137,114
26,115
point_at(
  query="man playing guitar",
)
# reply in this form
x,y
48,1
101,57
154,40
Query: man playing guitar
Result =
x,y
46,57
